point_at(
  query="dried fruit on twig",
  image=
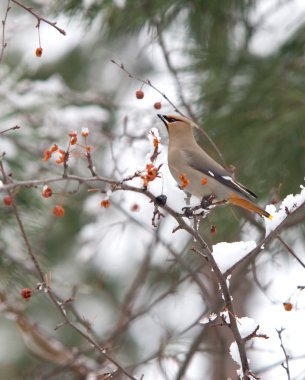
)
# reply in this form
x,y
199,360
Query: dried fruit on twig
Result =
x,y
288,306
139,94
157,105
39,52
8,200
47,192
26,293
58,211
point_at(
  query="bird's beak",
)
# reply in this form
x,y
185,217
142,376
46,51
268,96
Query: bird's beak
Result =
x,y
162,117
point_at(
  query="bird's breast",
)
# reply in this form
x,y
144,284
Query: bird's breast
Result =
x,y
189,179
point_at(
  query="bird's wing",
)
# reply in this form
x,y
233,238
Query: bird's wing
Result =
x,y
199,160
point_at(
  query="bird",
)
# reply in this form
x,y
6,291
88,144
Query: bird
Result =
x,y
198,173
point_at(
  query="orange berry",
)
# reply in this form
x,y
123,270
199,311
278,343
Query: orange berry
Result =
x,y
26,293
105,203
39,52
47,192
58,211
139,94
157,105
288,306
204,181
7,200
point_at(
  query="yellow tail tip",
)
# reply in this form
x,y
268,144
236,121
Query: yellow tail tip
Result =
x,y
270,217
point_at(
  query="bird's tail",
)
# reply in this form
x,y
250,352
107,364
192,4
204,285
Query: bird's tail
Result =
x,y
237,201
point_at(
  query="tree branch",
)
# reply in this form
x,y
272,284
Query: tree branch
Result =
x,y
39,18
286,364
3,43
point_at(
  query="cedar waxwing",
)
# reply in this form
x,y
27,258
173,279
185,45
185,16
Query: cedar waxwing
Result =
x,y
201,175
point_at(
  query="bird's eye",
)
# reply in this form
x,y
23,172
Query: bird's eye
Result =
x,y
171,119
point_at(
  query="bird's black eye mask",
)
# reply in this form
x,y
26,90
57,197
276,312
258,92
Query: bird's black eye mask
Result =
x,y
170,119
167,119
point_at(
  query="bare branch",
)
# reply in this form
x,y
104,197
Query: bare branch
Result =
x,y
286,364
254,334
3,43
11,128
39,18
290,250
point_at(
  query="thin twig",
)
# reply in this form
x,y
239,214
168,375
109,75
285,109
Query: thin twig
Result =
x,y
11,128
254,334
39,18
286,364
3,43
7,180
90,164
290,250
26,241
189,356
269,367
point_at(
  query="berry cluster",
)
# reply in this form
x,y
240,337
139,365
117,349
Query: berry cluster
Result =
x,y
63,156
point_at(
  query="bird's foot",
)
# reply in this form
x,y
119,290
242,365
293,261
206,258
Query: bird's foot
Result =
x,y
204,207
188,211
207,201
